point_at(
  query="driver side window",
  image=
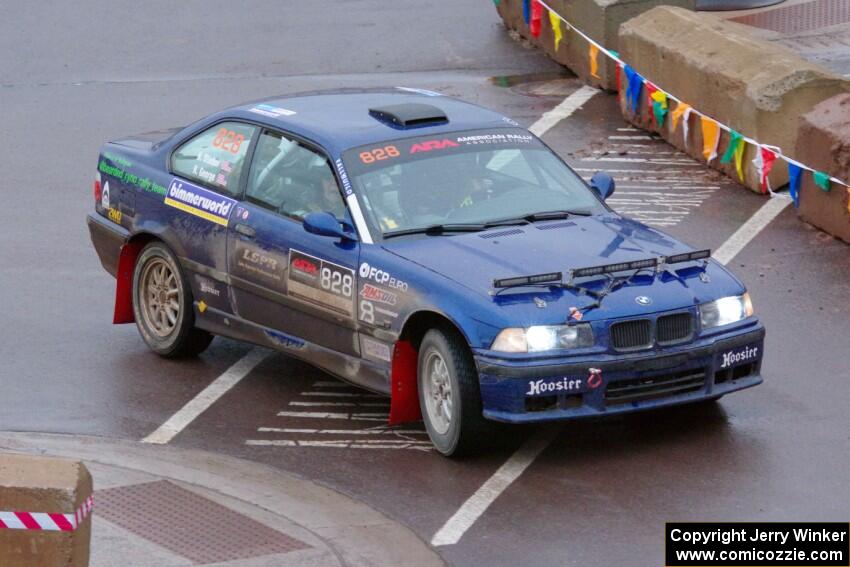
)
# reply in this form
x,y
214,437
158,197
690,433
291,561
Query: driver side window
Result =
x,y
291,179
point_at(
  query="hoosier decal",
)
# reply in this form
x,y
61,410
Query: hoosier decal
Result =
x,y
199,202
738,356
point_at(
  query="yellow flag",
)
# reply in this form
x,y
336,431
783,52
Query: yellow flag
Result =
x,y
739,159
556,28
594,65
677,114
710,138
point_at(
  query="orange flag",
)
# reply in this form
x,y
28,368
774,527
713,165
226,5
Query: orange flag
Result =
x,y
710,138
677,114
594,64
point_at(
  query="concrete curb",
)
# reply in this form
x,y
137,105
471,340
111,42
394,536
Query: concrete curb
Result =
x,y
356,533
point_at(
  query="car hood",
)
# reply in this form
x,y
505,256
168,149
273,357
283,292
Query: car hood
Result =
x,y
474,260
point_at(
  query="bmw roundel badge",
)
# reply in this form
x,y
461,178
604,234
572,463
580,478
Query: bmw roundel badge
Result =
x,y
643,300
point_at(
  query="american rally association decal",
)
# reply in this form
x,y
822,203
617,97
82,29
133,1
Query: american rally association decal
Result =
x,y
322,283
199,202
739,355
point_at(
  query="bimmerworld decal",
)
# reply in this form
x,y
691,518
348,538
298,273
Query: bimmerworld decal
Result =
x,y
199,202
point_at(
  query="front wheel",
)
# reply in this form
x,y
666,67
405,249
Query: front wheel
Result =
x,y
162,305
449,394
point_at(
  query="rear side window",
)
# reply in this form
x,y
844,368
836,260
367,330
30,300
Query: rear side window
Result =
x,y
216,156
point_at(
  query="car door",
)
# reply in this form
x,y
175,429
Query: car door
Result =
x,y
207,178
283,277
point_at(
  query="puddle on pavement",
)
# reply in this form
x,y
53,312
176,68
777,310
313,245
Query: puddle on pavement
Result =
x,y
538,84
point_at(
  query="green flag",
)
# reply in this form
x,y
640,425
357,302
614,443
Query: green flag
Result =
x,y
822,179
734,140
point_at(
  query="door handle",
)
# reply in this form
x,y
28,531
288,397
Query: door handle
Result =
x,y
245,230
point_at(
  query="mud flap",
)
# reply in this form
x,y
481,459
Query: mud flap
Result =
x,y
124,287
404,401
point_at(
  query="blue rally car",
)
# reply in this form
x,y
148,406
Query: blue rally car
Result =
x,y
420,247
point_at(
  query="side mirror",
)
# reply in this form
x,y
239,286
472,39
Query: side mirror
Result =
x,y
603,184
325,224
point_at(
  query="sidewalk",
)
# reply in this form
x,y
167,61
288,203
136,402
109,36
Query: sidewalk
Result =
x,y
817,30
163,506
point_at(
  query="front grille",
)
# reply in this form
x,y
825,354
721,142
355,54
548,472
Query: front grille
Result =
x,y
642,389
631,334
674,328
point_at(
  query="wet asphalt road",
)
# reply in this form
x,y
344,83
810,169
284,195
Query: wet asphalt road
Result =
x,y
74,76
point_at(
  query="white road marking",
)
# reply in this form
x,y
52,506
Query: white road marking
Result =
x,y
369,431
481,499
563,110
208,396
341,404
750,229
341,395
642,137
384,445
334,415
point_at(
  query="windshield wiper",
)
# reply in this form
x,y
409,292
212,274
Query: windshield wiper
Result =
x,y
437,229
541,216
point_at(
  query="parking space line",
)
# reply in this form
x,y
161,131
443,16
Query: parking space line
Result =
x,y
481,499
197,405
563,110
762,217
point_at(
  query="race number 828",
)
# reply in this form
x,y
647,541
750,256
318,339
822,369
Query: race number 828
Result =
x,y
336,282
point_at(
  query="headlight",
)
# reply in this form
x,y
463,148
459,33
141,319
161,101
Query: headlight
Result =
x,y
544,337
725,310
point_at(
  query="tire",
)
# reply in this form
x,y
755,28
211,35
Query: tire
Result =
x,y
163,306
449,394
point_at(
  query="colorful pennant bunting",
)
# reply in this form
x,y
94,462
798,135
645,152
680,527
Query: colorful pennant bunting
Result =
x,y
734,140
764,163
659,107
795,177
686,121
556,28
677,114
536,18
821,179
633,89
739,159
594,63
710,138
526,11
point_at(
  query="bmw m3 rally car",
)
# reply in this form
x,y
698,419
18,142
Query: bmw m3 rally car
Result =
x,y
420,247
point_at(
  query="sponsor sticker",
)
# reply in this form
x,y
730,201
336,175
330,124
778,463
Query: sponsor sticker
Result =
x,y
199,202
271,111
738,355
114,215
104,196
382,277
374,293
375,350
562,385
322,283
343,176
208,287
258,262
430,145
285,341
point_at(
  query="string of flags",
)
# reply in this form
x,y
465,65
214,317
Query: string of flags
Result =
x,y
658,102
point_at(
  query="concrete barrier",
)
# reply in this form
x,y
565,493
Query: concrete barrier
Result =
x,y
45,506
599,19
758,88
824,144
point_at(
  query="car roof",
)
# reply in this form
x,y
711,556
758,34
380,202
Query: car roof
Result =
x,y
339,120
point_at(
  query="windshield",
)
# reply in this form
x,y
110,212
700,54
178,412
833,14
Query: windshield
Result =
x,y
464,178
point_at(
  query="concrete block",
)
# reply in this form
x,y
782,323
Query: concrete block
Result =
x,y
599,19
756,87
50,486
824,144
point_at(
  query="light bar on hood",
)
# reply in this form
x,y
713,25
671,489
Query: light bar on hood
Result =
x,y
687,256
611,268
552,277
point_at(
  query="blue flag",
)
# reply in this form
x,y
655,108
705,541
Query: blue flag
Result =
x,y
526,11
795,176
633,90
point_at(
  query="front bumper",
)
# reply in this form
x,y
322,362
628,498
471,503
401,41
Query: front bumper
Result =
x,y
522,392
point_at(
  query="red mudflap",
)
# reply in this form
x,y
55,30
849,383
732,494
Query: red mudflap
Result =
x,y
124,287
404,403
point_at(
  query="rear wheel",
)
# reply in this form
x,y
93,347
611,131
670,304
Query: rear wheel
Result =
x,y
162,305
449,394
